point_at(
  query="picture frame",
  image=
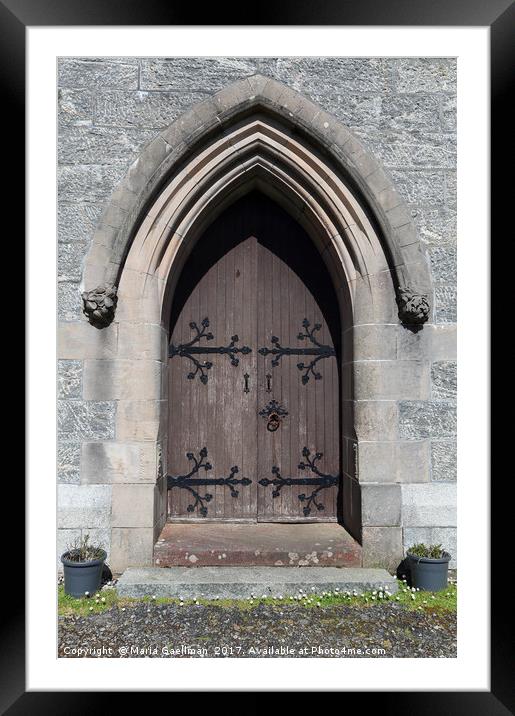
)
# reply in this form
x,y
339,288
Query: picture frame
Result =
x,y
16,17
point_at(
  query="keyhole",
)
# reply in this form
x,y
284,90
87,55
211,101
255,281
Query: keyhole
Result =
x,y
268,383
246,377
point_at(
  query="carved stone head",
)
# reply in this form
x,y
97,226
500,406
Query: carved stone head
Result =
x,y
413,307
99,305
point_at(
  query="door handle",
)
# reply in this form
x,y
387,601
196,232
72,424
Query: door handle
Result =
x,y
246,388
268,383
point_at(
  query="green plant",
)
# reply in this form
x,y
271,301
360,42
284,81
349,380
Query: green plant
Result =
x,y
82,551
433,551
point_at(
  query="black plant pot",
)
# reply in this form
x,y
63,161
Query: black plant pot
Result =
x,y
429,574
82,577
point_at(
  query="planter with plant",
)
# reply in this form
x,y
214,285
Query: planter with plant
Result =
x,y
83,564
429,566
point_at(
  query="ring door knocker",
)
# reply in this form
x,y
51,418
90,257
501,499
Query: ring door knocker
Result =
x,y
273,413
273,422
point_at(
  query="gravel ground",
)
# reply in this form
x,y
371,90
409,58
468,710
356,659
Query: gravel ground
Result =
x,y
170,630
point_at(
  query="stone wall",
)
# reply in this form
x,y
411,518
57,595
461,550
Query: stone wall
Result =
x,y
403,110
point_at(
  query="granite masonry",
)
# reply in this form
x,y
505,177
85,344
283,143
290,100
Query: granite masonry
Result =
x,y
400,435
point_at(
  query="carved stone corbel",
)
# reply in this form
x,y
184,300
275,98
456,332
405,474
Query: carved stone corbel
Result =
x,y
99,305
413,307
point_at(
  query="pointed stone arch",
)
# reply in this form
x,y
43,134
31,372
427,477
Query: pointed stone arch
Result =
x,y
254,134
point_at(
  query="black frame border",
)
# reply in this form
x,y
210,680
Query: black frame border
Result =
x,y
499,16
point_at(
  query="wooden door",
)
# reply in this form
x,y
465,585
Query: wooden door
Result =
x,y
298,461
253,377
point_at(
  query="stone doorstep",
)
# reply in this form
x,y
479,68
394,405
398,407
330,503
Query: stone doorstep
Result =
x,y
256,544
243,582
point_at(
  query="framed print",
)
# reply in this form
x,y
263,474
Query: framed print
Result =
x,y
269,333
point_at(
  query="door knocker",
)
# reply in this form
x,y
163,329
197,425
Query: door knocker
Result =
x,y
273,412
273,422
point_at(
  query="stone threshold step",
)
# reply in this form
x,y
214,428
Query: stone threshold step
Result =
x,y
243,582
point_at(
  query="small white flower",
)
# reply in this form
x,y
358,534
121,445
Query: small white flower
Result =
x,y
86,594
91,609
103,600
397,598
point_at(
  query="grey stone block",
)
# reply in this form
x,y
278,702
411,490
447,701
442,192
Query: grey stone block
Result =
x,y
446,304
132,547
207,74
78,420
69,303
243,582
151,110
99,72
69,379
444,460
109,462
425,74
451,188
420,186
390,380
449,113
444,343
446,536
77,222
436,225
380,505
411,111
443,264
70,259
88,182
372,419
409,150
423,419
387,462
354,110
443,380
122,379
68,463
133,505
82,340
101,145
382,546
75,107
337,74
84,506
429,505
370,342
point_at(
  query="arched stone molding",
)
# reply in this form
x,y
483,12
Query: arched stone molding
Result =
x,y
300,118
255,134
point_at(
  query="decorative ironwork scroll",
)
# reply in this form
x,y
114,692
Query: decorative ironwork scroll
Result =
x,y
322,481
318,350
188,482
273,407
191,349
